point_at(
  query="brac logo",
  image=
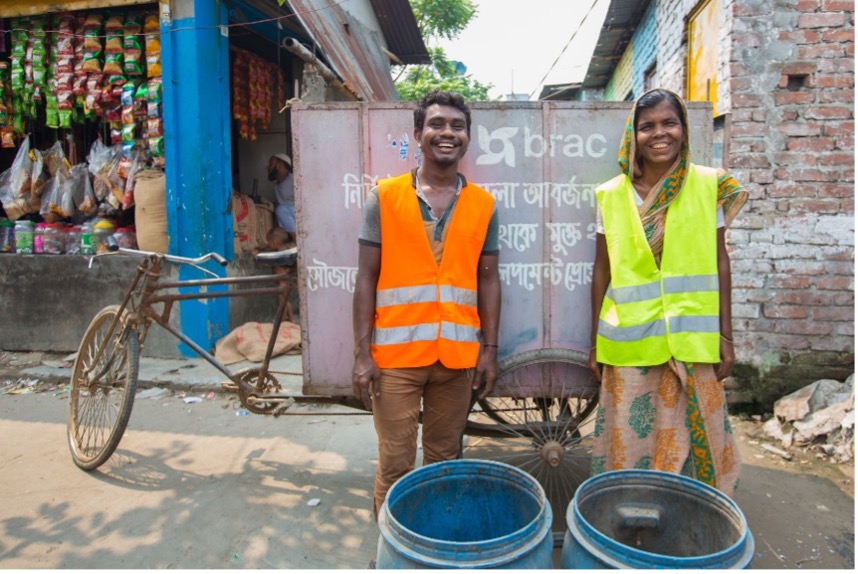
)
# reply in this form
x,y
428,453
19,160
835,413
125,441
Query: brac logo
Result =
x,y
500,145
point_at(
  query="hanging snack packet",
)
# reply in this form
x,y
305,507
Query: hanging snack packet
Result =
x,y
155,127
153,65
114,63
152,24
156,146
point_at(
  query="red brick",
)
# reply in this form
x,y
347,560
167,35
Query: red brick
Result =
x,y
772,311
803,327
789,115
752,129
800,36
797,297
843,328
833,81
790,282
779,342
844,299
836,283
839,34
837,158
751,100
833,112
746,161
838,5
822,20
840,267
813,51
782,188
800,267
742,9
799,68
807,174
810,144
839,254
815,206
833,314
837,65
800,129
839,128
847,205
829,96
800,97
794,158
762,176
845,142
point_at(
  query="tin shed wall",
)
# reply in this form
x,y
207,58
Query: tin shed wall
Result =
x,y
540,160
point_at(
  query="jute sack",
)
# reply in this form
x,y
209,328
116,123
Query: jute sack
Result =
x,y
243,223
264,222
150,215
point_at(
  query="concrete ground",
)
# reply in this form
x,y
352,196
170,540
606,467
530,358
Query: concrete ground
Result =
x,y
200,485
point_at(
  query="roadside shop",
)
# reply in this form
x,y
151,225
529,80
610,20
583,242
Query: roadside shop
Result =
x,y
151,121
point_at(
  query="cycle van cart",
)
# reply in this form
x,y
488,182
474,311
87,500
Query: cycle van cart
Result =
x,y
540,160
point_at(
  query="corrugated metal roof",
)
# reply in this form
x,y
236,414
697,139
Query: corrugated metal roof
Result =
x,y
355,52
620,24
400,29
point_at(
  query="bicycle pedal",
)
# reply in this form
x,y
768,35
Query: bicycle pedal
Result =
x,y
230,386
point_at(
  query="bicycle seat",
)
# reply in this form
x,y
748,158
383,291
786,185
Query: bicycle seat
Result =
x,y
283,258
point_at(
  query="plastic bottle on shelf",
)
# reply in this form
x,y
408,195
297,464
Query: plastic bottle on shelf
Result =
x,y
39,238
54,239
73,240
7,236
24,236
101,231
126,238
87,239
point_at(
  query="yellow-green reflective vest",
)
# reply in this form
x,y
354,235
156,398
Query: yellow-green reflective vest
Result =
x,y
649,314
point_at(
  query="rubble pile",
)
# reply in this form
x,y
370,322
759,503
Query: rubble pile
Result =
x,y
819,417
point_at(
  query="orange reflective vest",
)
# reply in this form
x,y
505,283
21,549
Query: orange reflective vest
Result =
x,y
425,312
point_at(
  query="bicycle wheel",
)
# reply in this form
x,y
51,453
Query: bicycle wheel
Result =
x,y
102,389
541,421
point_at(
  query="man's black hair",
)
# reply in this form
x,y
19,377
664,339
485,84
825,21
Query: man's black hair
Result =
x,y
442,98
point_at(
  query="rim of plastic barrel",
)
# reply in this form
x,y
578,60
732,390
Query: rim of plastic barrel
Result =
x,y
471,554
618,555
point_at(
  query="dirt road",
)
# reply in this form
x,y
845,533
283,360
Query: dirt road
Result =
x,y
196,486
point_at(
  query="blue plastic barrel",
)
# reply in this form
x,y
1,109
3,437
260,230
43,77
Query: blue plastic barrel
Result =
x,y
465,514
653,519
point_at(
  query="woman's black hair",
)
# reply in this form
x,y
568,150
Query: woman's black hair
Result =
x,y
441,98
655,97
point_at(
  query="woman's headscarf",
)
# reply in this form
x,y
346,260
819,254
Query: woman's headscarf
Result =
x,y
731,195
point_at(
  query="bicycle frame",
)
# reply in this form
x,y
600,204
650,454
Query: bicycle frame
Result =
x,y
149,289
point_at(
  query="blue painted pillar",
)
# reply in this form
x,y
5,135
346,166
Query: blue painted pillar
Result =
x,y
195,66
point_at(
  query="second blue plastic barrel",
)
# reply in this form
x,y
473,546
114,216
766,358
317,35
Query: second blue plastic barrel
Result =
x,y
652,519
465,514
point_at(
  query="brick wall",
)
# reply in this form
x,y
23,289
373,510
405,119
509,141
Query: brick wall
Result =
x,y
792,145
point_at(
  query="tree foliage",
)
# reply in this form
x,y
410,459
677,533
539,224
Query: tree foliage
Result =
x,y
440,19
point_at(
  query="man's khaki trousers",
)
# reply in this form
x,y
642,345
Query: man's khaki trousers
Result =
x,y
446,397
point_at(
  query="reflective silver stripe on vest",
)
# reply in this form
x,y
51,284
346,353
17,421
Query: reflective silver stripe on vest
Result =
x,y
399,335
691,283
461,333
634,333
635,293
405,295
695,324
459,296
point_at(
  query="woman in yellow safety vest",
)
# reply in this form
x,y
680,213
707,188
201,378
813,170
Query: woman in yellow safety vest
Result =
x,y
662,336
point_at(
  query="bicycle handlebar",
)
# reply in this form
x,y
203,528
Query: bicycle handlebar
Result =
x,y
114,248
178,259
